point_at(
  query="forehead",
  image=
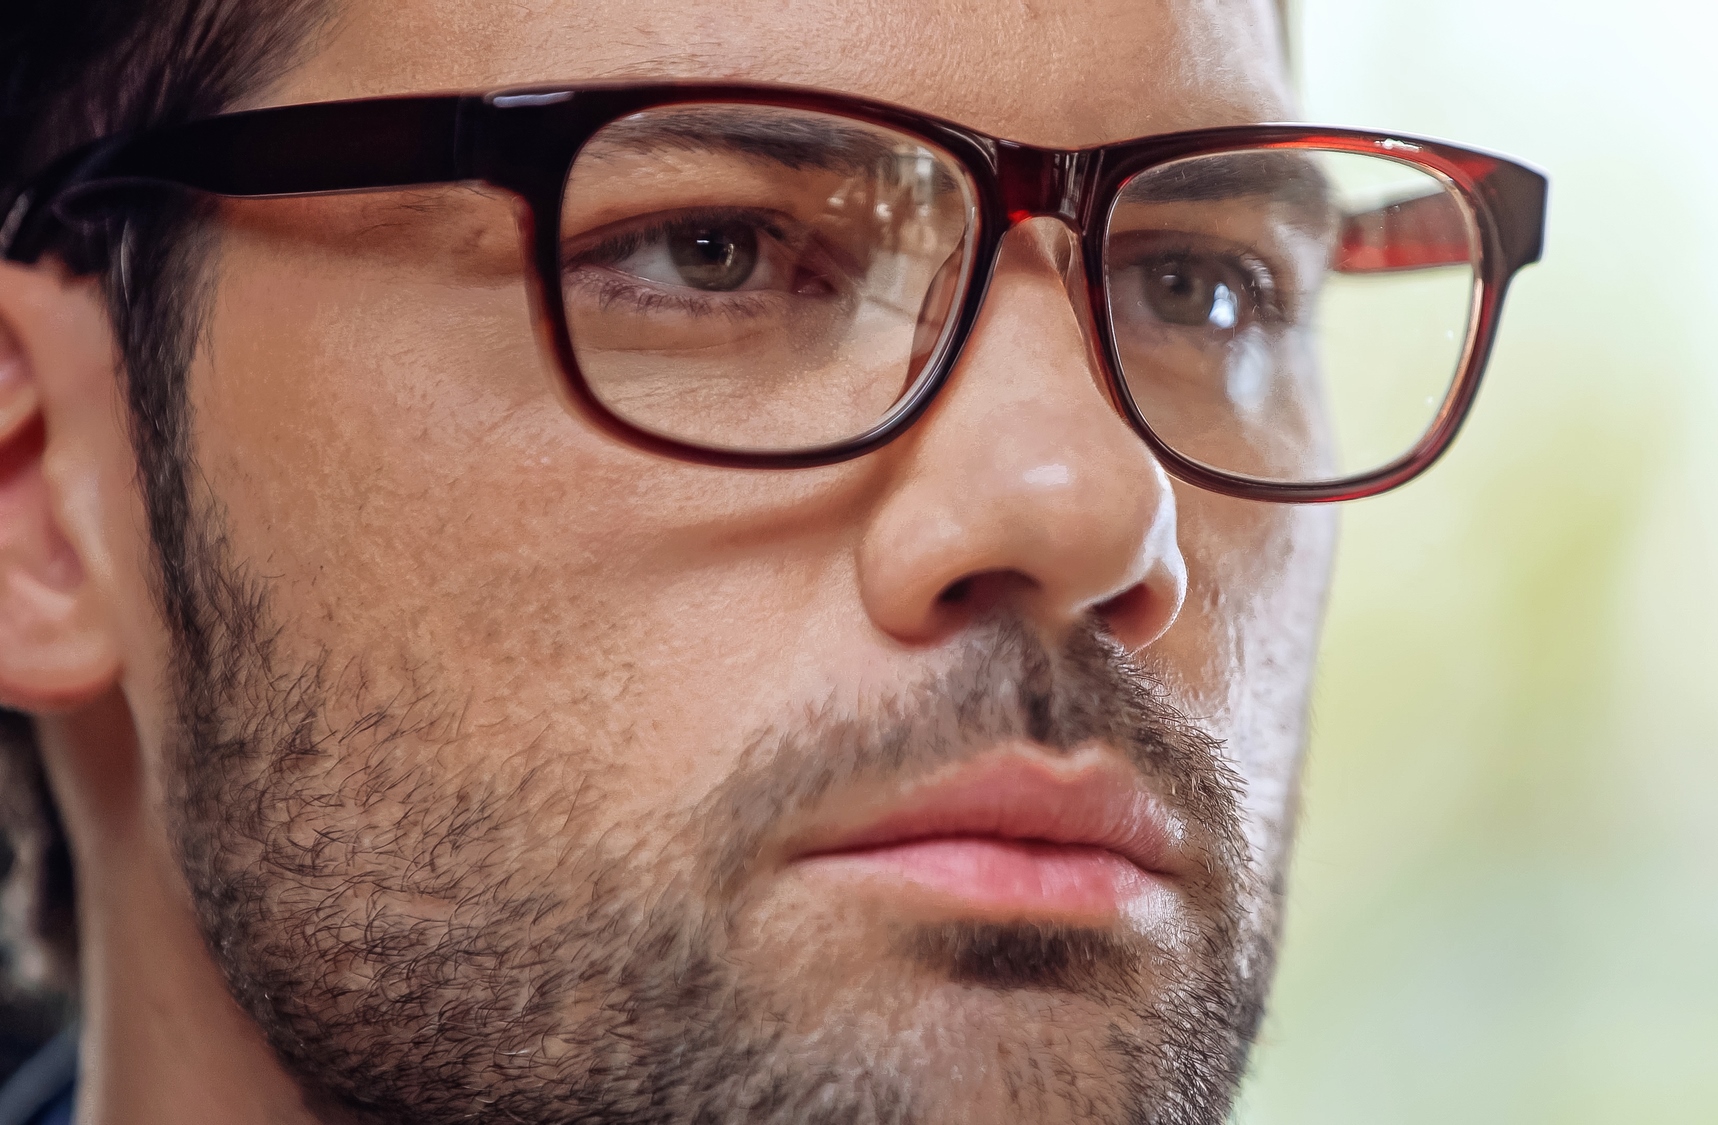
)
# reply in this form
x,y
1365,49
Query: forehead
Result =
x,y
1053,72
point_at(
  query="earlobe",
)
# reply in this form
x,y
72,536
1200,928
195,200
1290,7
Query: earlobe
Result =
x,y
58,645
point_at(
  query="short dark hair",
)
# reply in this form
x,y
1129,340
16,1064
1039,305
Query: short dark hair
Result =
x,y
74,71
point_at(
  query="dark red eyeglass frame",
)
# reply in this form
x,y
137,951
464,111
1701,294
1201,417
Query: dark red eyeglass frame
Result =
x,y
525,140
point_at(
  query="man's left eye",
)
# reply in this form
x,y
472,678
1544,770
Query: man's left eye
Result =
x,y
1194,293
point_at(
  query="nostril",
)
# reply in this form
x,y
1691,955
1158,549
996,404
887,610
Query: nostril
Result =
x,y
978,594
1138,615
1124,603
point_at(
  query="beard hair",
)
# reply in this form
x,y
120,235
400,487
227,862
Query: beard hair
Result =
x,y
366,914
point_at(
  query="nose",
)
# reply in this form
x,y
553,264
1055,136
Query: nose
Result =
x,y
1022,488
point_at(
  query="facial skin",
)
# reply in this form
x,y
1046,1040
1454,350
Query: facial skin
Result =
x,y
497,791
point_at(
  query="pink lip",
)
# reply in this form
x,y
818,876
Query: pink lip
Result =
x,y
1020,836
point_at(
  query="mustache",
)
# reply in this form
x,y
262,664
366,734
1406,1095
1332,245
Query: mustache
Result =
x,y
1004,683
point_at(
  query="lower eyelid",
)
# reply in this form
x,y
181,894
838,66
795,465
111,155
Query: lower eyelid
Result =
x,y
648,297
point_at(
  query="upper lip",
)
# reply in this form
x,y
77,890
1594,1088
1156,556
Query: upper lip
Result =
x,y
1092,803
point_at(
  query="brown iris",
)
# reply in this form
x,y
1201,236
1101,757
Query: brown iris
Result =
x,y
718,257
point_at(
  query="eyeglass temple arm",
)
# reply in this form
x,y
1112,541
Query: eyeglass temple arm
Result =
x,y
287,150
1433,230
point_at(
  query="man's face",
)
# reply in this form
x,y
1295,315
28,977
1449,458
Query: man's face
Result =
x,y
534,775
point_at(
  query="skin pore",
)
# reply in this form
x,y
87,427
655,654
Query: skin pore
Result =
x,y
488,682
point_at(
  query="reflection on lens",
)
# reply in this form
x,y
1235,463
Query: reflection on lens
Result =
x,y
748,277
1290,315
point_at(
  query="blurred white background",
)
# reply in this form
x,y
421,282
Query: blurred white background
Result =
x,y
1505,904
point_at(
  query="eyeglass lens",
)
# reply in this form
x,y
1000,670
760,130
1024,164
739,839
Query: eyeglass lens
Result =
x,y
752,278
1290,315
756,278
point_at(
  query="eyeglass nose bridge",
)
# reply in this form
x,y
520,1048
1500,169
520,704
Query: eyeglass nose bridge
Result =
x,y
1044,181
1059,184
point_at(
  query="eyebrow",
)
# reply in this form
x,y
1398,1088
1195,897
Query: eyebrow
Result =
x,y
1282,177
806,142
798,142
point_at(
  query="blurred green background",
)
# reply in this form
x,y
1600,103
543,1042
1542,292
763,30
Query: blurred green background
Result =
x,y
1505,902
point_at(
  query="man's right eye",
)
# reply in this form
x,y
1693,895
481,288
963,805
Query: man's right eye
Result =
x,y
707,256
717,257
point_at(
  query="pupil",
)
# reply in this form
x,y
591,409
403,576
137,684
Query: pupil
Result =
x,y
717,258
716,250
1190,298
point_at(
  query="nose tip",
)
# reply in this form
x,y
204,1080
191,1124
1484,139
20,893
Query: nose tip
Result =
x,y
1134,584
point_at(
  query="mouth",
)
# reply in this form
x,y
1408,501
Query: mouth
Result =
x,y
1015,836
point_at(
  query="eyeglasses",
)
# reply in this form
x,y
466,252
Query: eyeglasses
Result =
x,y
762,277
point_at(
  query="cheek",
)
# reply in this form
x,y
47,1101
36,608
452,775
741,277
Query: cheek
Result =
x,y
387,450
1244,650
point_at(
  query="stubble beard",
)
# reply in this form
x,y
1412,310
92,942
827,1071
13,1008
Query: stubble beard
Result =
x,y
373,919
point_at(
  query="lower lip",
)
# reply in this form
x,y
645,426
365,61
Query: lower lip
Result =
x,y
1010,877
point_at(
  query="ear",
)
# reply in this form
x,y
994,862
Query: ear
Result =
x,y
59,420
